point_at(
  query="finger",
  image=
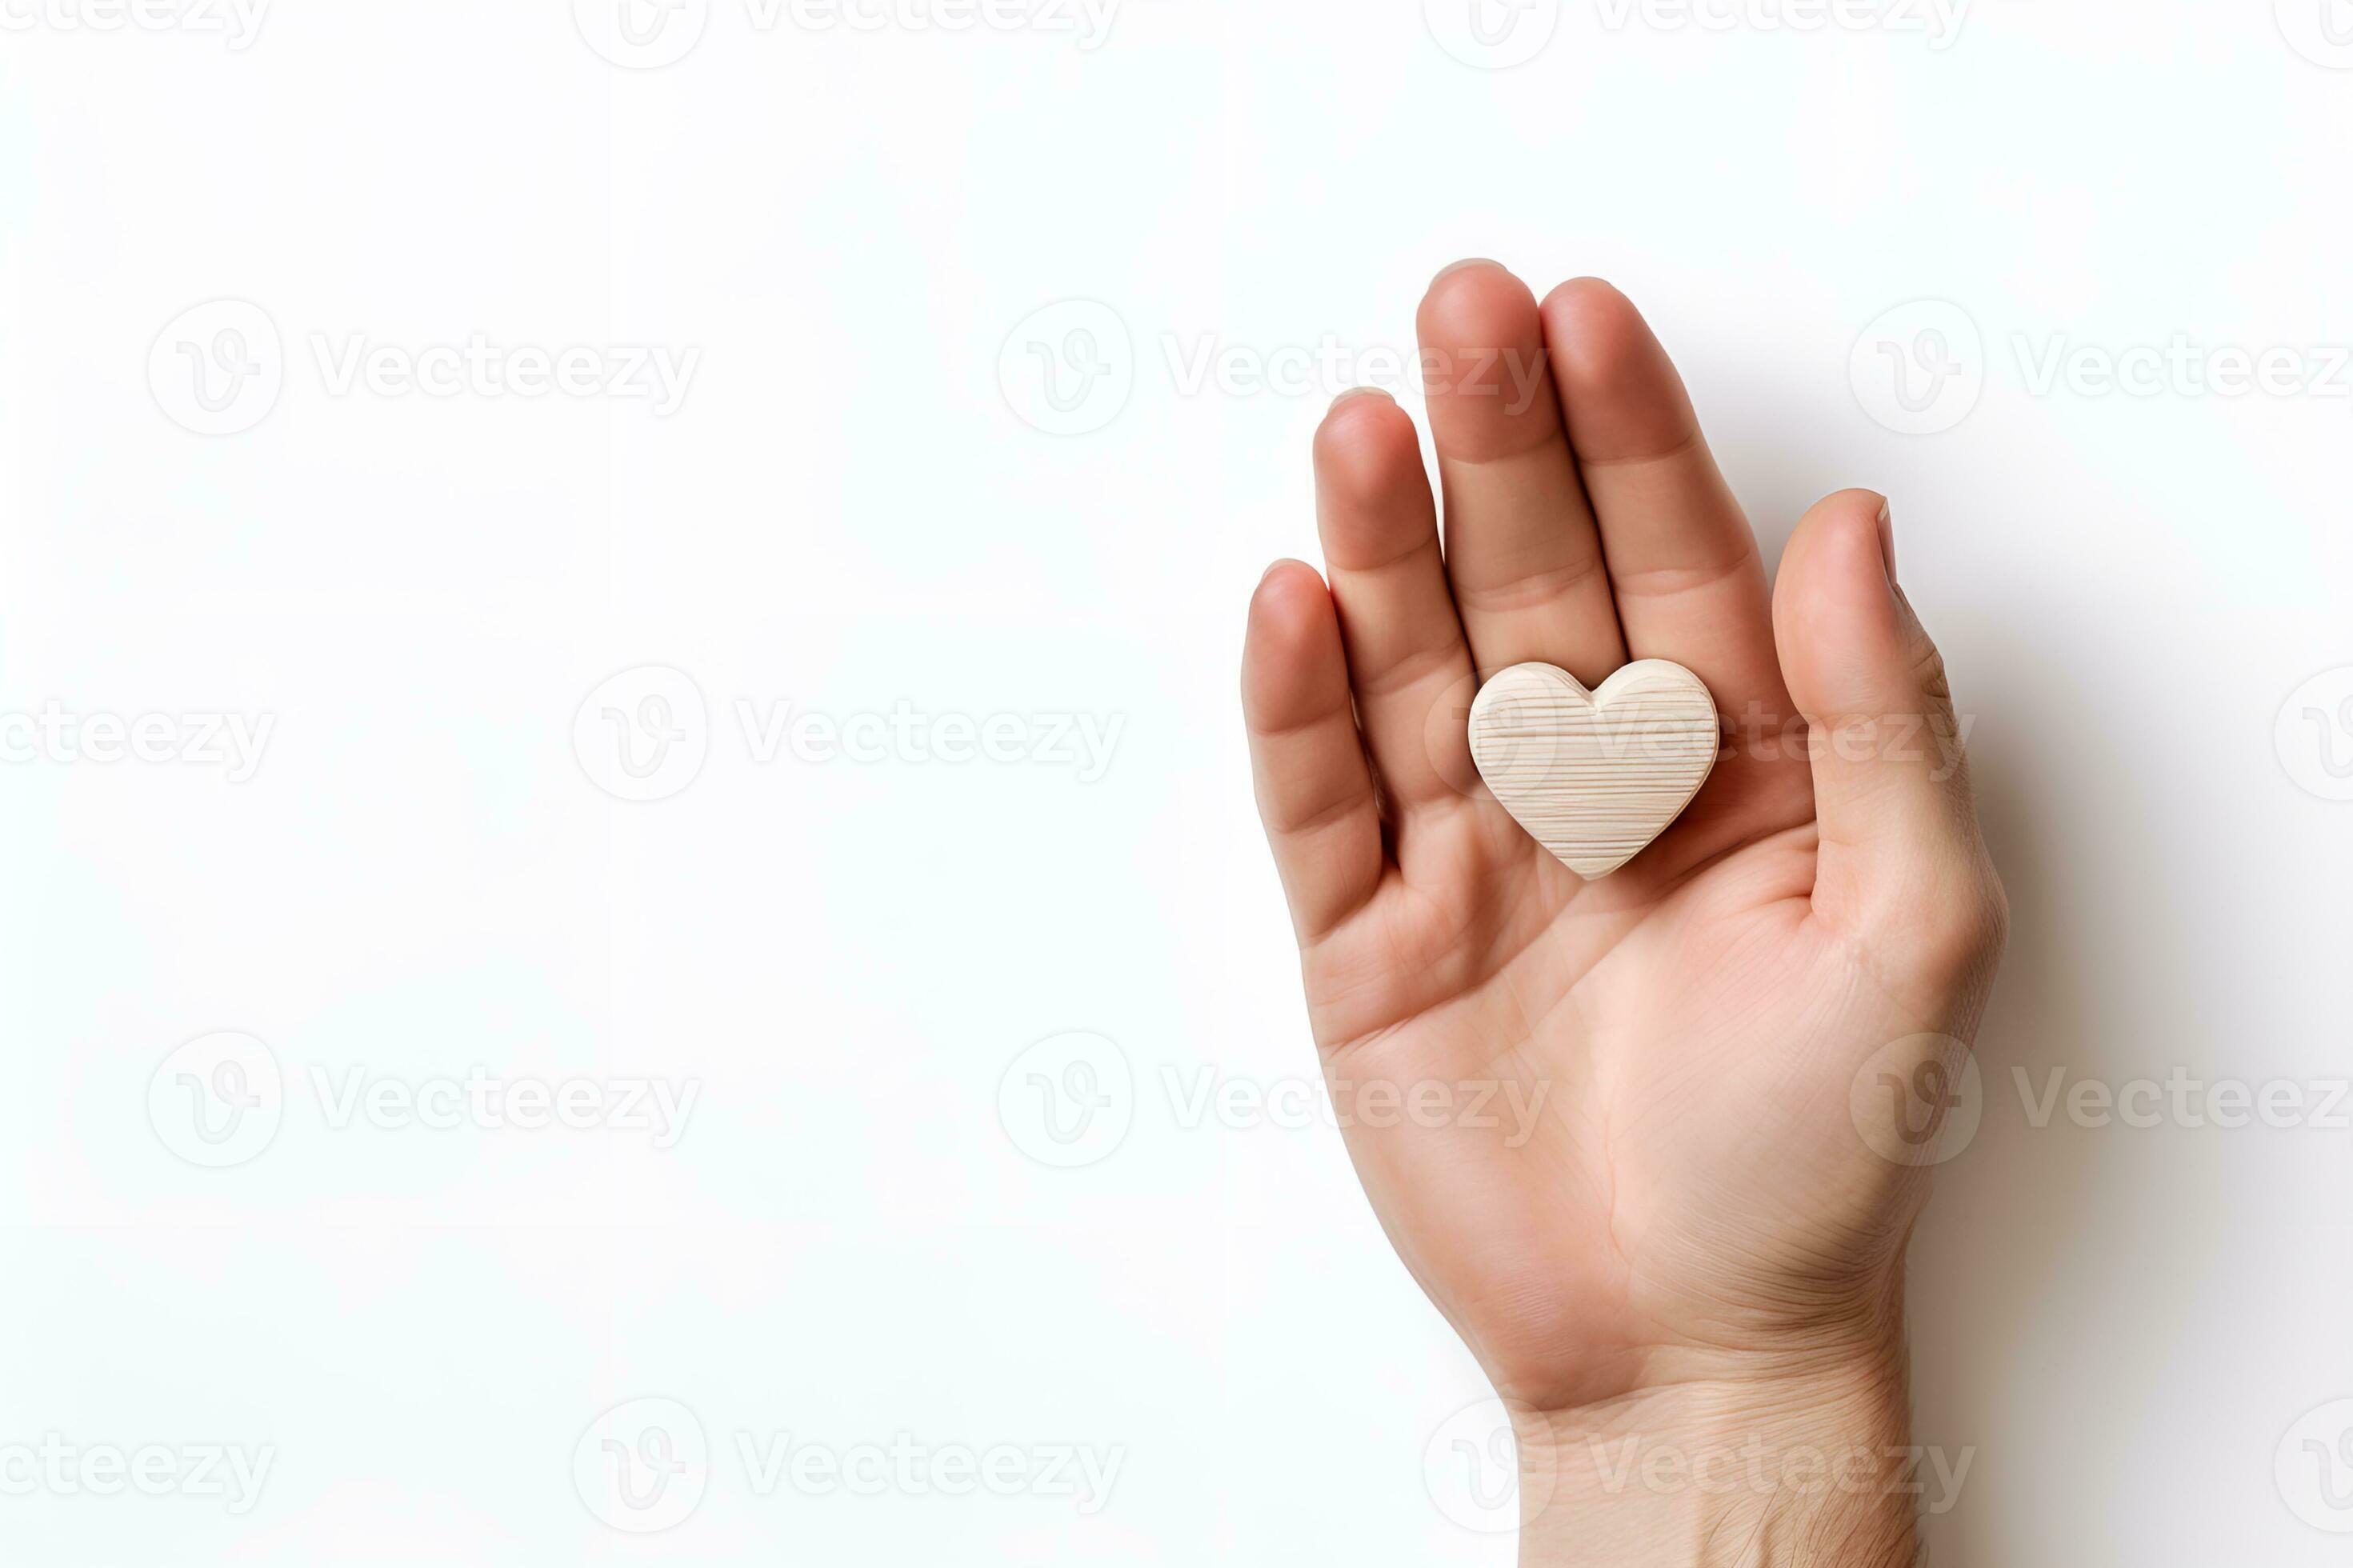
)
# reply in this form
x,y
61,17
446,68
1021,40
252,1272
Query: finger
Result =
x,y
1407,657
1521,549
1899,838
1315,792
1684,564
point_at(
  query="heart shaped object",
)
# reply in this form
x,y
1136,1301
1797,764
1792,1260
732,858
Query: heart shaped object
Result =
x,y
1593,776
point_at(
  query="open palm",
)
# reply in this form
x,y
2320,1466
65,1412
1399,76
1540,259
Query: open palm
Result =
x,y
1640,1153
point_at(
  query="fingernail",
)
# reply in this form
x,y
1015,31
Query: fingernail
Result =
x,y
1451,267
1887,540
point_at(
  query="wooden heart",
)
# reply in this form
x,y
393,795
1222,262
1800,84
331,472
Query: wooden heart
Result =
x,y
1593,776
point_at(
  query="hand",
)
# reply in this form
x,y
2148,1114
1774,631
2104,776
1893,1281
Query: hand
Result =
x,y
1670,1222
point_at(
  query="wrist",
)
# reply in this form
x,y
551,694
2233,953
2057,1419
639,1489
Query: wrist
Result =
x,y
1801,1460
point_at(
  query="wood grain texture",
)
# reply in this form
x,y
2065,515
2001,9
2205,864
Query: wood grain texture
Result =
x,y
1594,776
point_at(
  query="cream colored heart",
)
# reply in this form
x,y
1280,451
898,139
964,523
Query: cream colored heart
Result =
x,y
1593,776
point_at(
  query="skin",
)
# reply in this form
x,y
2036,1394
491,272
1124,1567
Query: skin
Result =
x,y
1694,1241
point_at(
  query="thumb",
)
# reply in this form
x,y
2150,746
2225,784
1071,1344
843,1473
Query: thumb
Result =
x,y
1900,854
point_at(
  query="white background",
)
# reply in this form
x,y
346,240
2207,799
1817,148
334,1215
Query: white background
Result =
x,y
856,507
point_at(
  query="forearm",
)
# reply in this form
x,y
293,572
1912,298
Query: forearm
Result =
x,y
1811,1467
